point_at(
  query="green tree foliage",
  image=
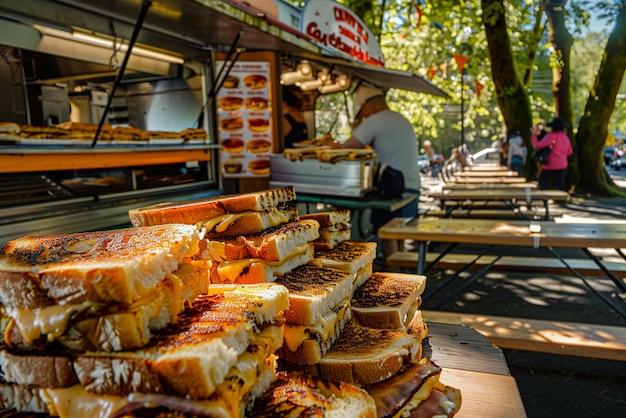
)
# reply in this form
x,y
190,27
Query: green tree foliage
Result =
x,y
422,36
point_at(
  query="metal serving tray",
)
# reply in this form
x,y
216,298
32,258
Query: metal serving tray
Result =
x,y
343,178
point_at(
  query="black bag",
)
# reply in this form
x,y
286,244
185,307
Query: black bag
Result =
x,y
390,184
542,154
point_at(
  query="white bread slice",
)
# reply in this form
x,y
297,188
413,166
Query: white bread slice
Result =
x,y
193,357
256,270
330,219
297,394
306,344
102,267
23,398
273,244
386,299
330,239
37,368
313,292
108,327
363,355
193,211
349,256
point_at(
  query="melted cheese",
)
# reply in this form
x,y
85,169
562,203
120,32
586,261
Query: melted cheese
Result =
x,y
177,290
230,271
295,335
51,320
223,222
76,402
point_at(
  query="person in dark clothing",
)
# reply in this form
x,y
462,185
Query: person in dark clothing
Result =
x,y
294,125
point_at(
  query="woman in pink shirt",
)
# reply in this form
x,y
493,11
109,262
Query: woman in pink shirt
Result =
x,y
554,169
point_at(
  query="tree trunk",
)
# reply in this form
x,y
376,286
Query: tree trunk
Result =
x,y
592,130
562,42
538,29
511,96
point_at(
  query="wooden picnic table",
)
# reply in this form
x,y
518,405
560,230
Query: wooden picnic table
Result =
x,y
491,173
513,198
462,178
488,186
485,168
487,387
502,236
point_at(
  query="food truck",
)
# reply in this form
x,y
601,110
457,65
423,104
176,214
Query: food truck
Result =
x,y
126,104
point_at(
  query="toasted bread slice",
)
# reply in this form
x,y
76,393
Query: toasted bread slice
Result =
x,y
107,327
334,228
306,344
386,299
257,270
27,367
330,219
194,356
296,394
363,355
350,256
203,209
116,266
274,244
313,292
330,239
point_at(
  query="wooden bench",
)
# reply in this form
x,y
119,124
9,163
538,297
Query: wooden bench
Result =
x,y
536,213
408,259
554,337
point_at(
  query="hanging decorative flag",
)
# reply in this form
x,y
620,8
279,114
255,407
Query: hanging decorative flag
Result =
x,y
420,12
461,60
444,70
431,72
479,88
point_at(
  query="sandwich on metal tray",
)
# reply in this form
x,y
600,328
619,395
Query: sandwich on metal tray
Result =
x,y
104,290
319,300
214,361
334,227
248,238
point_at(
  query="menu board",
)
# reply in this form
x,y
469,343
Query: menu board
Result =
x,y
244,120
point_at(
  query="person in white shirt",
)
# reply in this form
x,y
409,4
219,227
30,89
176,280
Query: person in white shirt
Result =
x,y
393,139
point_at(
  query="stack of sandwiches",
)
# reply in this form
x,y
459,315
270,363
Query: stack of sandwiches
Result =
x,y
122,323
247,238
226,307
